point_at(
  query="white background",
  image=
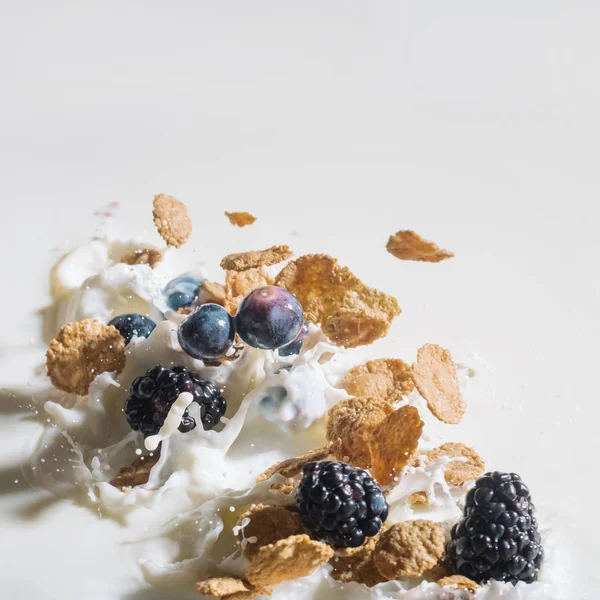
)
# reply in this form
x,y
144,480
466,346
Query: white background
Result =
x,y
336,123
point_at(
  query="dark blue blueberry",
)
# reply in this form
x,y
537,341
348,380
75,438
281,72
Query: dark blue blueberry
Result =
x,y
133,324
182,291
269,317
294,346
207,333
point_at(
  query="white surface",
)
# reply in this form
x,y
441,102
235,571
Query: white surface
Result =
x,y
340,122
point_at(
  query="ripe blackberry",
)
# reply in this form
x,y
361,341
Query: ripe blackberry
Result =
x,y
152,395
340,504
498,537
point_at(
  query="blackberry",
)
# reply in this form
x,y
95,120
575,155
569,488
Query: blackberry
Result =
x,y
340,504
152,395
498,537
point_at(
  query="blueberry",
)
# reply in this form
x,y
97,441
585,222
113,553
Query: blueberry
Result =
x,y
269,317
294,346
133,324
207,333
182,291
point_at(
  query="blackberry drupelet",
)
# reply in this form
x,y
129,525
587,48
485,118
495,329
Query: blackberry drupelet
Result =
x,y
498,537
152,395
340,504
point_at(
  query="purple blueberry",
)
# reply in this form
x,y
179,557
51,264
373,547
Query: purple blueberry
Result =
x,y
269,317
207,333
133,324
294,346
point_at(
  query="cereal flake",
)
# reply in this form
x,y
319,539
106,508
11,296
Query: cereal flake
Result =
x,y
172,220
289,558
238,284
393,442
243,261
227,588
135,474
418,498
408,245
81,351
458,471
214,292
459,582
293,466
351,313
240,219
353,421
268,524
408,549
142,256
387,378
435,377
357,564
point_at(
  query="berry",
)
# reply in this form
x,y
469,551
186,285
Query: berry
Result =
x,y
340,504
133,324
294,346
182,291
269,317
208,333
152,395
498,537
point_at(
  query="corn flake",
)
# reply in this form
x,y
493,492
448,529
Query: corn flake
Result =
x,y
243,261
357,564
172,220
238,284
387,378
240,219
459,582
135,474
408,245
393,442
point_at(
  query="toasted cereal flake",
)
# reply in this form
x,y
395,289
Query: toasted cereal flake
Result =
x,y
284,488
289,558
418,498
435,377
408,245
268,524
243,261
438,572
387,378
81,351
353,421
238,284
459,582
351,313
142,256
223,587
172,220
241,219
357,564
293,466
458,471
185,310
137,473
408,549
393,442
214,291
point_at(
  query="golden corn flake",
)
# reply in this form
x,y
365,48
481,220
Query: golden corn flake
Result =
x,y
393,442
172,220
438,572
293,466
408,549
387,378
240,219
80,352
353,421
142,256
435,377
408,245
224,587
357,564
289,558
351,313
267,525
214,292
459,582
418,498
243,261
137,473
458,471
238,284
